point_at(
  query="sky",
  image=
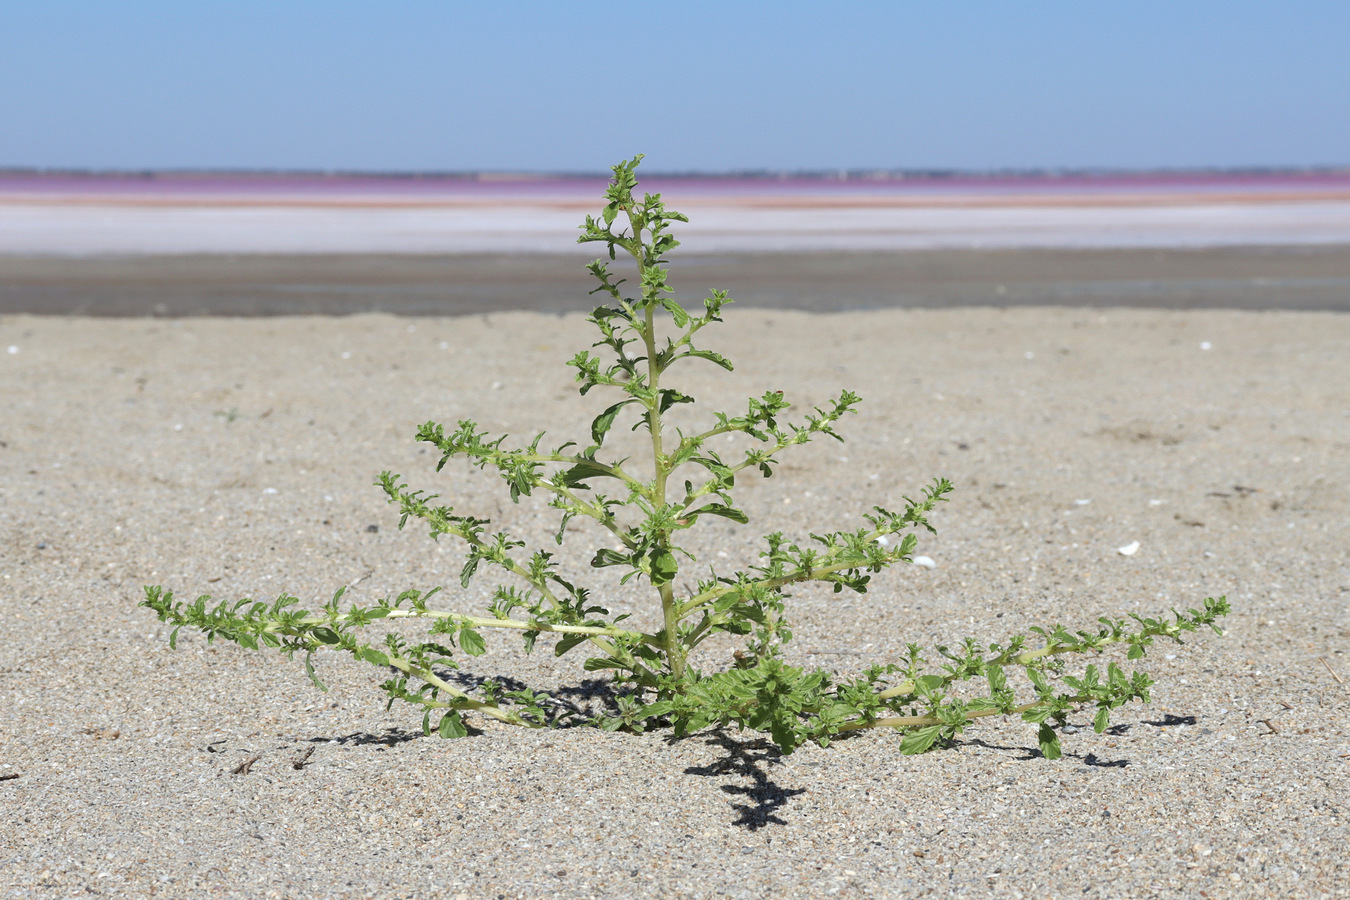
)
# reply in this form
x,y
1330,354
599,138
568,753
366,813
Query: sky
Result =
x,y
697,86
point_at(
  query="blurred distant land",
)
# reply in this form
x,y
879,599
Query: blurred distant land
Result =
x,y
194,243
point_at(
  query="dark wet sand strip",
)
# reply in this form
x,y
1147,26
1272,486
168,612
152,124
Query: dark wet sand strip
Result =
x,y
1291,278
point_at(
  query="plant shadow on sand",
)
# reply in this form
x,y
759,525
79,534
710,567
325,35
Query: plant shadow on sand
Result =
x,y
1028,753
1034,753
390,738
1169,720
582,701
1090,759
749,759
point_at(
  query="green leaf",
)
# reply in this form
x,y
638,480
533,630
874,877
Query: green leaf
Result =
x,y
712,357
373,656
1049,741
928,684
603,422
670,397
568,641
676,311
313,676
606,557
471,641
718,509
997,680
920,740
583,470
1101,720
664,566
784,735
466,573
452,725
1037,714
724,473
326,635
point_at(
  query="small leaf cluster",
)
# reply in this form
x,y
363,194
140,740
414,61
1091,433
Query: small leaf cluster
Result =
x,y
643,512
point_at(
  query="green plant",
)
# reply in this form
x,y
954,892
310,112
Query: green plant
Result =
x,y
646,516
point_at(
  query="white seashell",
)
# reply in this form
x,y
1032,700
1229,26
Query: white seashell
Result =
x,y
1129,549
1205,345
1081,502
883,540
925,561
269,490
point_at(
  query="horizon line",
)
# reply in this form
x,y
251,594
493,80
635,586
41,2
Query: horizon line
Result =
x,y
759,174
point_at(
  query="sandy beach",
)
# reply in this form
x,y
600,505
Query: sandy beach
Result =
x,y
235,457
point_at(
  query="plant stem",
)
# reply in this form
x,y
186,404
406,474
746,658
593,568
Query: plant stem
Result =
x,y
592,511
911,721
708,597
477,622
613,469
1021,659
518,624
670,609
466,702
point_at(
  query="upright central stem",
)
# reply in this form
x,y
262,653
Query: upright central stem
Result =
x,y
669,608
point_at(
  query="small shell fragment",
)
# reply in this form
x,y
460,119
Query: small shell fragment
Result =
x,y
1129,549
925,561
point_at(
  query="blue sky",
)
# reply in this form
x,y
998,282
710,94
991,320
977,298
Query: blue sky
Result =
x,y
562,86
